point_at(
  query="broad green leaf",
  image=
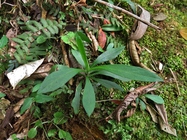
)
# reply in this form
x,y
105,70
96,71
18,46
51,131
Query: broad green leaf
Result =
x,y
61,134
111,28
68,136
69,39
52,132
155,98
78,57
108,55
32,133
83,37
3,41
127,72
82,51
57,79
27,103
41,39
88,99
41,98
109,84
59,118
2,95
76,100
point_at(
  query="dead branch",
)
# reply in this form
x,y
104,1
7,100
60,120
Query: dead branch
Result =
x,y
128,13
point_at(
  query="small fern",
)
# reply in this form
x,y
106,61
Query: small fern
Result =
x,y
33,42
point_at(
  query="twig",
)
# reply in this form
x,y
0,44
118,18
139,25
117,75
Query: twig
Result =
x,y
175,78
128,13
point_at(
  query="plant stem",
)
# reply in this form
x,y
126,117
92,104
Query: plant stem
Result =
x,y
128,13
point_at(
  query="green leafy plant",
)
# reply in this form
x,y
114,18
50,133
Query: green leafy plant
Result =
x,y
58,119
93,72
120,130
36,40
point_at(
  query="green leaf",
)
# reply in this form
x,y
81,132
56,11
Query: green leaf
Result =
x,y
52,133
3,41
111,28
59,118
69,39
32,133
76,100
109,84
108,55
88,99
41,39
155,98
127,72
132,5
142,105
61,134
83,37
36,87
57,79
27,103
41,98
78,57
2,95
82,51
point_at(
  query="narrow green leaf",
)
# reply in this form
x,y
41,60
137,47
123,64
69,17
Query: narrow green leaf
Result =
x,y
27,103
128,72
32,133
142,105
111,28
108,55
41,39
82,51
44,22
83,37
78,57
3,41
88,99
76,100
109,84
2,95
57,79
155,98
41,98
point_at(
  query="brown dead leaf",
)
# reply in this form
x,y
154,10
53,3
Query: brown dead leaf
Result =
x,y
101,38
160,116
163,120
139,28
42,71
183,32
160,17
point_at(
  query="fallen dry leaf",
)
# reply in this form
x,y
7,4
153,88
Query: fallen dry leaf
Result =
x,y
183,32
23,72
101,38
160,17
139,27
